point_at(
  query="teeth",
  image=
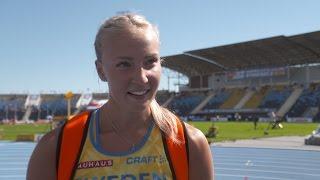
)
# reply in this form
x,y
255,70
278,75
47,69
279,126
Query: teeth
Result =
x,y
139,93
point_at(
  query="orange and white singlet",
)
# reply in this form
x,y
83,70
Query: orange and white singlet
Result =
x,y
147,160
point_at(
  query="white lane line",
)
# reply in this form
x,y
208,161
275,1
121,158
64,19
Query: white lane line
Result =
x,y
15,163
267,162
266,171
276,159
13,158
17,149
13,168
275,155
253,164
249,177
12,176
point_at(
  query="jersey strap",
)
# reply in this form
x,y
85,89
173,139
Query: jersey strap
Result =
x,y
178,153
70,143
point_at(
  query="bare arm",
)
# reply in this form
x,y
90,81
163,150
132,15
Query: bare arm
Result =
x,y
42,164
201,163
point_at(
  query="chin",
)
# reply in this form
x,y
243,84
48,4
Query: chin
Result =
x,y
138,107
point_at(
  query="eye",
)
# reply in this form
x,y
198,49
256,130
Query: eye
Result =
x,y
123,64
152,60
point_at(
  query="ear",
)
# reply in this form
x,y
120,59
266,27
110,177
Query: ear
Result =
x,y
99,68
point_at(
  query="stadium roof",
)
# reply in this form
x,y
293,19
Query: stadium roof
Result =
x,y
190,65
276,51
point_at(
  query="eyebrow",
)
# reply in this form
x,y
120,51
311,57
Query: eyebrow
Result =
x,y
125,58
151,56
130,58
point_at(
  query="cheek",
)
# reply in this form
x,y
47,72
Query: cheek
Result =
x,y
156,76
116,81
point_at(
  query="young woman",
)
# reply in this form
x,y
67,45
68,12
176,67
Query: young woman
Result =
x,y
131,136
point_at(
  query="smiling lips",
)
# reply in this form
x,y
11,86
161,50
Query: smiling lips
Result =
x,y
139,93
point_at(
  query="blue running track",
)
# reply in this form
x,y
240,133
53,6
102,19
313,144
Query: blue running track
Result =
x,y
230,163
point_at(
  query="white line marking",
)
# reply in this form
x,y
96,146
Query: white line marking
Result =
x,y
255,165
276,159
269,162
249,177
265,171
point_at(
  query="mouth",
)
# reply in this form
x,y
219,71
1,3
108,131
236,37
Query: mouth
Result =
x,y
139,93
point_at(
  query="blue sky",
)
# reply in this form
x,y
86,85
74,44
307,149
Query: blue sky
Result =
x,y
47,46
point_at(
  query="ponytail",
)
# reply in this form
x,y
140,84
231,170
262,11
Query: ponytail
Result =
x,y
165,120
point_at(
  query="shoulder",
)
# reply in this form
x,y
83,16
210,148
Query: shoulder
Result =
x,y
196,139
195,136
42,163
50,139
201,162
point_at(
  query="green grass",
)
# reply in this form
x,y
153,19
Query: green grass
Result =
x,y
10,132
245,130
226,130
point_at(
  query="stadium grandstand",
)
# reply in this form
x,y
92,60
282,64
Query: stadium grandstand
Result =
x,y
15,108
279,75
251,80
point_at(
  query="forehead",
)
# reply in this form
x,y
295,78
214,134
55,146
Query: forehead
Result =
x,y
131,39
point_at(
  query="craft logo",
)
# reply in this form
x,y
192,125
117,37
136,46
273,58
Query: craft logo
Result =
x,y
95,164
146,159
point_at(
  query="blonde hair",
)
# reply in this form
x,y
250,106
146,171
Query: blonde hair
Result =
x,y
164,119
127,21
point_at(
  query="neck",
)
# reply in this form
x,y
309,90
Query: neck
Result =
x,y
124,119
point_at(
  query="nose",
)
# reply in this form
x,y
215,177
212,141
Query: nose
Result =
x,y
141,76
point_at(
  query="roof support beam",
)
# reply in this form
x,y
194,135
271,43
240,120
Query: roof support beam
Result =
x,y
204,59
